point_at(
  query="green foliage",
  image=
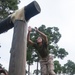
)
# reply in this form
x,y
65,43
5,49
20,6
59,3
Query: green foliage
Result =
x,y
3,68
63,70
53,38
69,68
29,56
6,6
62,53
0,65
37,71
57,67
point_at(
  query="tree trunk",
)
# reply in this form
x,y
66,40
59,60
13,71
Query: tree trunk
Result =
x,y
28,69
37,69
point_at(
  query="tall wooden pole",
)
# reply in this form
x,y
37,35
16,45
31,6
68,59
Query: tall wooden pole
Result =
x,y
19,43
18,50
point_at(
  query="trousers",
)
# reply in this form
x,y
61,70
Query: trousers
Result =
x,y
47,65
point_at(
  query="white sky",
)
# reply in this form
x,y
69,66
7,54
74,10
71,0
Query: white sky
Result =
x,y
59,13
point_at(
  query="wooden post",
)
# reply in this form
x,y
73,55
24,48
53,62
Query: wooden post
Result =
x,y
18,49
19,43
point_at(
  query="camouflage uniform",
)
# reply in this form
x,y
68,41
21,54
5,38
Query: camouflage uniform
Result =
x,y
47,66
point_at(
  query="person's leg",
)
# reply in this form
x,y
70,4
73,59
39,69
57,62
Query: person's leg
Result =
x,y
51,66
43,68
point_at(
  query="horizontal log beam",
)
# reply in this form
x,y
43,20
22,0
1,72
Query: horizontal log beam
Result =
x,y
30,10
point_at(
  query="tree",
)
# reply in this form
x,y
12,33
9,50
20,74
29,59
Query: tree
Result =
x,y
0,45
0,65
0,58
69,68
3,70
57,67
64,70
37,71
29,58
53,38
7,6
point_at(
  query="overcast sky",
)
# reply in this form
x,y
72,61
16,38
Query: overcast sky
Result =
x,y
58,13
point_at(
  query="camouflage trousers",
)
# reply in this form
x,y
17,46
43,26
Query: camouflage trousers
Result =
x,y
47,66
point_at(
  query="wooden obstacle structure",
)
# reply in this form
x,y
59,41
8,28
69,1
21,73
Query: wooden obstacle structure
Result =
x,y
19,21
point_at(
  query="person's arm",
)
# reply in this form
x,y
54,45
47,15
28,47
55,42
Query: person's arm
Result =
x,y
42,34
28,36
